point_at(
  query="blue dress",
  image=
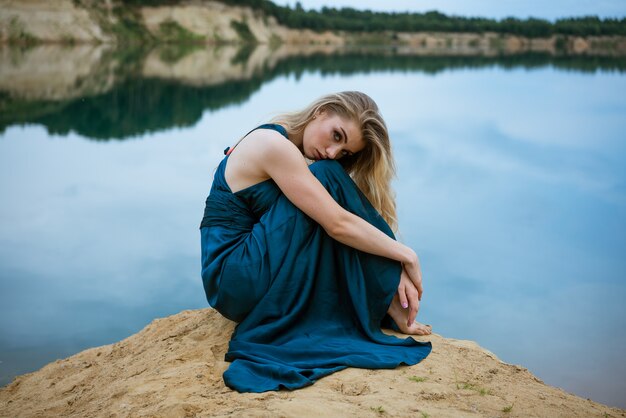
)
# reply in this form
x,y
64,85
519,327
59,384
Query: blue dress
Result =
x,y
306,305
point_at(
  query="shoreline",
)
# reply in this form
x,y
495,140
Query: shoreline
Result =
x,y
173,367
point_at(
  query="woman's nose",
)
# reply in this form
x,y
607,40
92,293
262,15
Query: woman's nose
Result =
x,y
332,152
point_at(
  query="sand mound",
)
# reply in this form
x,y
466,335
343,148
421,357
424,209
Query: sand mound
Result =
x,y
173,368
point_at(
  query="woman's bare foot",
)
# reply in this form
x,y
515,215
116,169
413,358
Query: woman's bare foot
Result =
x,y
399,316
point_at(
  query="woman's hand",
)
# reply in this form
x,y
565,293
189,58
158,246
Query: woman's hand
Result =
x,y
414,272
409,296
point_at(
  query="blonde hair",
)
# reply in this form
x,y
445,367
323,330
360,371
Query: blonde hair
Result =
x,y
373,168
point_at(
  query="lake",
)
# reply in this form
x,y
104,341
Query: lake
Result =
x,y
511,187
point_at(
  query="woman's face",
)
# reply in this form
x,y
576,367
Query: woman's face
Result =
x,y
329,136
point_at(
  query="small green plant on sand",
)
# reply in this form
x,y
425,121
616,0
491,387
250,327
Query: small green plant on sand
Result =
x,y
507,408
425,415
418,379
470,386
379,409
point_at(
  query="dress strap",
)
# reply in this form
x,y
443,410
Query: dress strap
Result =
x,y
273,126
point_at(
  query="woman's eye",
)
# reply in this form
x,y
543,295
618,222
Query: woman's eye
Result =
x,y
337,136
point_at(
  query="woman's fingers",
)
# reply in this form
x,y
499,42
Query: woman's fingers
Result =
x,y
402,295
414,304
419,290
415,274
408,296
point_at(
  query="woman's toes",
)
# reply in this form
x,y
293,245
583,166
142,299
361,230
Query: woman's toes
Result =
x,y
422,329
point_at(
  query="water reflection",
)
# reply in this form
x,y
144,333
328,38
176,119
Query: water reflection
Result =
x,y
103,93
511,188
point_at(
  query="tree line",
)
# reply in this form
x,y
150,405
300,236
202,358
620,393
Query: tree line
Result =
x,y
353,20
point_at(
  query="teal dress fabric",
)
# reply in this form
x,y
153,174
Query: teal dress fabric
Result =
x,y
306,305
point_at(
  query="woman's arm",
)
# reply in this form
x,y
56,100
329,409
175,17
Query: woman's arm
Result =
x,y
283,162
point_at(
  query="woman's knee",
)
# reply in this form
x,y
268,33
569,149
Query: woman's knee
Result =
x,y
329,171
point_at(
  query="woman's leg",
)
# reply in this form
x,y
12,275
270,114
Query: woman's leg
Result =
x,y
343,189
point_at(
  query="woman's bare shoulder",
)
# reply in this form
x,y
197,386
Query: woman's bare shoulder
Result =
x,y
268,143
260,155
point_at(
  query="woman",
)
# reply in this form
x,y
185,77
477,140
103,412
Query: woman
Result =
x,y
303,257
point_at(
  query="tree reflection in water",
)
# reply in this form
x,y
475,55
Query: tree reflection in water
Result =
x,y
103,93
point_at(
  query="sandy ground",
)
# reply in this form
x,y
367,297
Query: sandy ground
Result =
x,y
173,368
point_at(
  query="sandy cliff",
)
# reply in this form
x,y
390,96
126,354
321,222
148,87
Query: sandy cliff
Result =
x,y
23,21
173,368
212,22
50,21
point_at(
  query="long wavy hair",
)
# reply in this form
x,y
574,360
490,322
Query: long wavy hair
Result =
x,y
373,168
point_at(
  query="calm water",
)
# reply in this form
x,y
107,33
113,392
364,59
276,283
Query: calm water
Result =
x,y
511,187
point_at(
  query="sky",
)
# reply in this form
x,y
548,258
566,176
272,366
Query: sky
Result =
x,y
496,9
